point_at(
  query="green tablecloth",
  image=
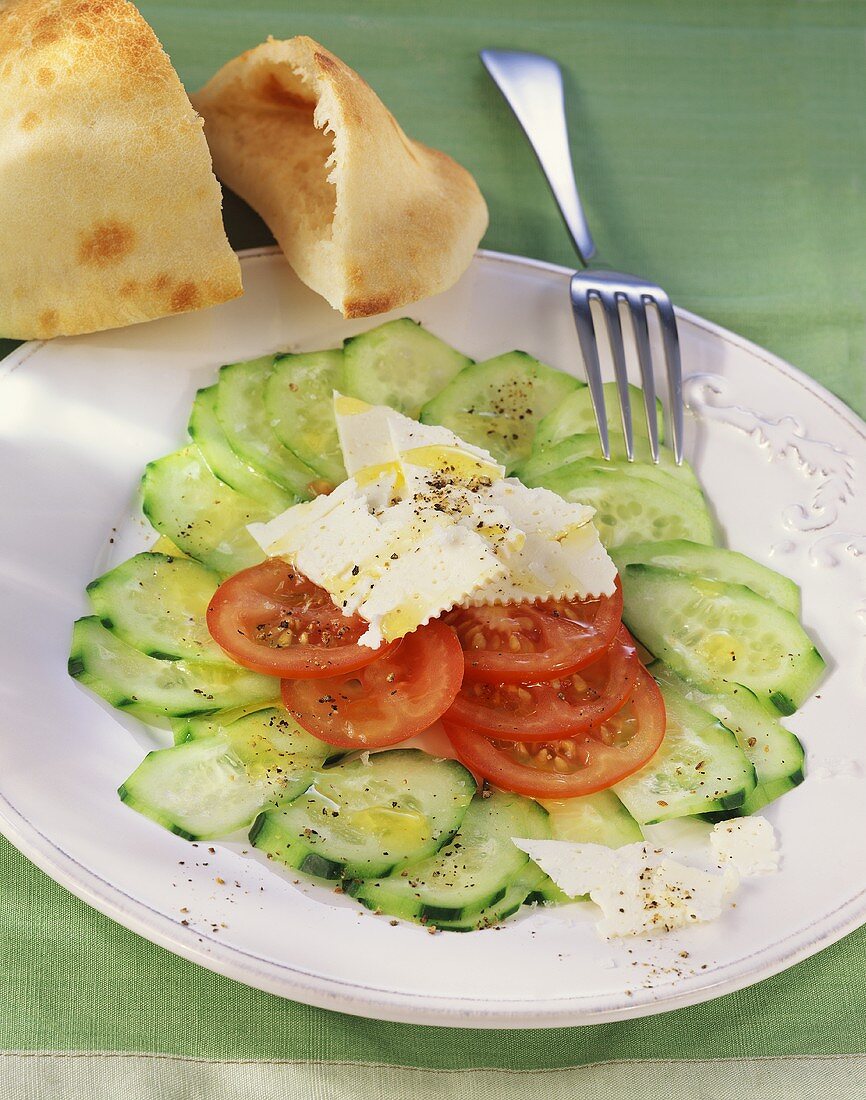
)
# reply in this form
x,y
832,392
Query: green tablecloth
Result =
x,y
721,148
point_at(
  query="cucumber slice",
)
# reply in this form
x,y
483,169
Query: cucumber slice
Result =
x,y
719,635
498,403
599,818
400,364
299,400
213,786
776,754
587,446
575,415
526,887
131,680
470,873
158,604
206,432
698,769
715,564
196,726
630,508
201,514
246,422
365,819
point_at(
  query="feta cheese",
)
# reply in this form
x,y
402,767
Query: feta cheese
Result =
x,y
426,522
748,844
396,568
640,889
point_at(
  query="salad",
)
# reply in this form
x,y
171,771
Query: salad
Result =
x,y
333,577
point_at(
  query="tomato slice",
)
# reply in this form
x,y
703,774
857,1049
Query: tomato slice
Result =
x,y
570,767
549,709
514,643
272,619
395,697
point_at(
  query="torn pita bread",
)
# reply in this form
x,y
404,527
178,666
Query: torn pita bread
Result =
x,y
109,209
367,218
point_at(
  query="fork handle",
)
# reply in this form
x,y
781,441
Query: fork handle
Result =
x,y
532,86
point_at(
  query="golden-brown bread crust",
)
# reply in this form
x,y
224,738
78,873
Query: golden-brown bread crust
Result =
x,y
109,211
368,218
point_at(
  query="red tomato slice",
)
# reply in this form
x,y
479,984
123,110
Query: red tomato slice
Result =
x,y
517,642
390,700
575,766
272,619
557,708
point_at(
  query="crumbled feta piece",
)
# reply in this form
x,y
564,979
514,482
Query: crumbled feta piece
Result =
x,y
748,844
640,889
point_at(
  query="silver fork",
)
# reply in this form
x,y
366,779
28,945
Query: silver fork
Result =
x,y
532,86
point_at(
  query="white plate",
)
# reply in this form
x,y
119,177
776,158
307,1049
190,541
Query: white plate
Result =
x,y
782,462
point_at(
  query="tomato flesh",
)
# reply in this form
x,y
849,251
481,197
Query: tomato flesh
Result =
x,y
564,707
397,696
515,643
272,619
569,767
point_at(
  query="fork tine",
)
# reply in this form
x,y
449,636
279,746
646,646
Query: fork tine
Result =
x,y
671,340
637,306
610,303
583,322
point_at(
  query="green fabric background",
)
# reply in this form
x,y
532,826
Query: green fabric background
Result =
x,y
720,149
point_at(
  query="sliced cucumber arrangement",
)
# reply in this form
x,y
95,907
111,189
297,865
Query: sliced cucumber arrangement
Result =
x,y
400,364
699,768
719,635
245,419
202,515
498,404
213,786
630,508
130,680
298,399
206,432
157,603
715,564
366,818
471,873
409,834
575,415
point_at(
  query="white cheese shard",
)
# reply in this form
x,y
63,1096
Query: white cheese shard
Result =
x,y
639,888
397,568
426,522
748,844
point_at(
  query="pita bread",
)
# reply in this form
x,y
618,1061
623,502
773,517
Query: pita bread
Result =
x,y
367,218
109,210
